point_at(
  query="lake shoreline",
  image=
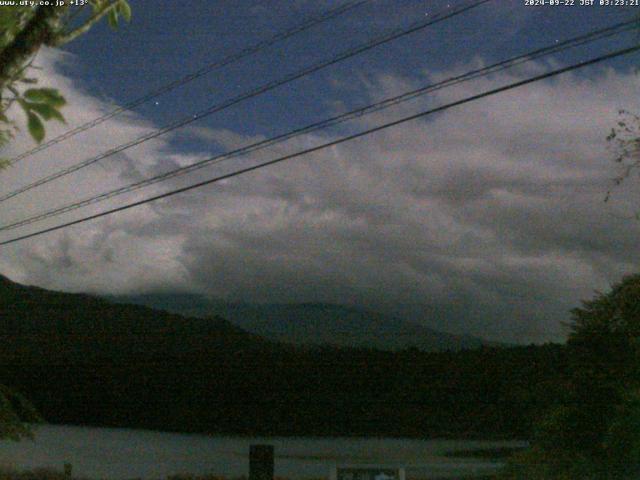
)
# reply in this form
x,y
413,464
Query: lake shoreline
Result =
x,y
231,434
123,454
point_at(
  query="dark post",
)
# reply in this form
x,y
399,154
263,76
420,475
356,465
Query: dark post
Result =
x,y
261,462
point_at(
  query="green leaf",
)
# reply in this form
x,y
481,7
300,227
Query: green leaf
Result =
x,y
26,106
124,9
36,128
47,111
97,5
50,96
112,18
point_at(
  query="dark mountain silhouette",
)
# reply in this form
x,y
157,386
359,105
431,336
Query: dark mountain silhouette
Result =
x,y
84,360
98,327
312,323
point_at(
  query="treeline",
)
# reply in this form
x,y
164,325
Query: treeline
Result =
x,y
591,431
82,360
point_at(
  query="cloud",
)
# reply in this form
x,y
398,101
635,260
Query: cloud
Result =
x,y
486,219
98,254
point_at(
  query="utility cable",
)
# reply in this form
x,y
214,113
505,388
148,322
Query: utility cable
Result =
x,y
339,141
360,112
310,22
446,14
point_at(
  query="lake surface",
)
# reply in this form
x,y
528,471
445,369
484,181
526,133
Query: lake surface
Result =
x,y
124,454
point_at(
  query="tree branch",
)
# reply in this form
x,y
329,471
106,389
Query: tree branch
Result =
x,y
95,18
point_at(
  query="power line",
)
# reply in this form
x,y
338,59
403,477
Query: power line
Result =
x,y
310,22
348,138
377,41
386,103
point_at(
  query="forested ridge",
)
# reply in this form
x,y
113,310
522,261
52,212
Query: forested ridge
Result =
x,y
83,360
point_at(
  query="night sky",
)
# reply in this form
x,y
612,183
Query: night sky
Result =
x,y
486,219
